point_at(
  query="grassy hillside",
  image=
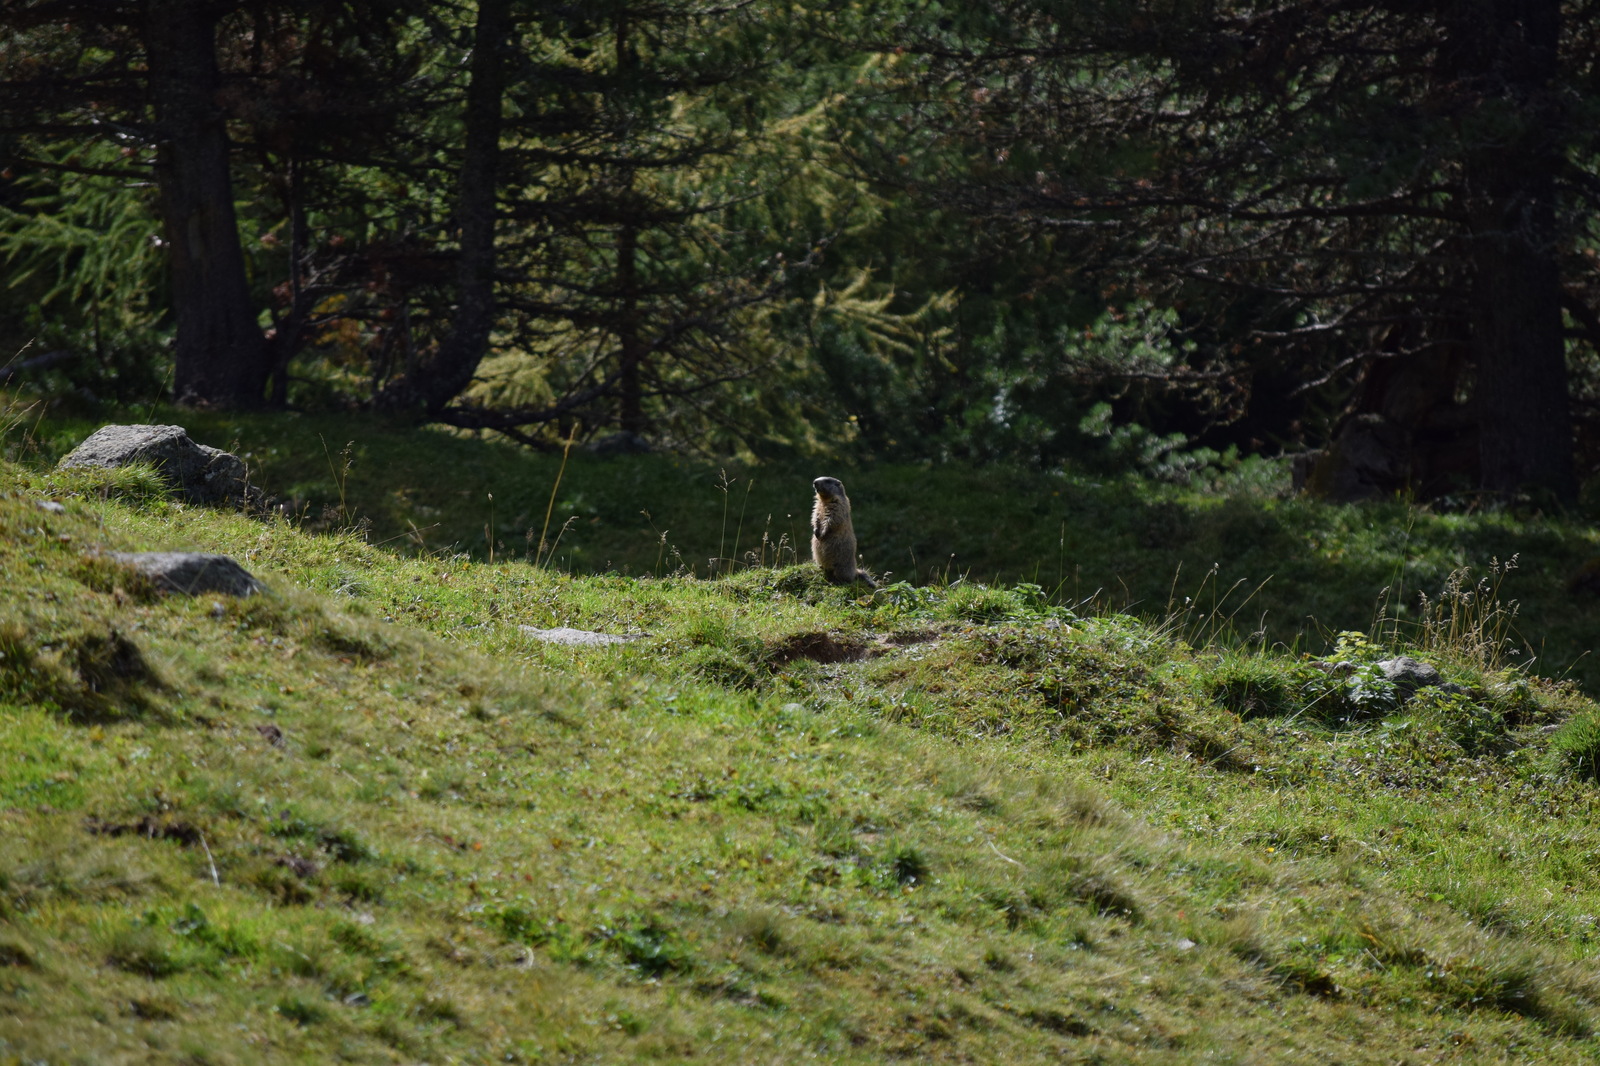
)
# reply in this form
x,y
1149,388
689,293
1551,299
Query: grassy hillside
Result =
x,y
366,818
1296,571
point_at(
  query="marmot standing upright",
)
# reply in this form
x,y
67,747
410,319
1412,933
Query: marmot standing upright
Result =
x,y
833,538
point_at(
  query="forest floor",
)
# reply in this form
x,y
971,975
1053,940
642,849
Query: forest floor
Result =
x,y
980,816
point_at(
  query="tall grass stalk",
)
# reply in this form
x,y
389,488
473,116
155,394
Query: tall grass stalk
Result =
x,y
1204,631
1468,619
12,413
722,540
566,451
568,524
1061,564
12,410
166,383
739,529
661,541
488,531
340,474
1471,619
1382,620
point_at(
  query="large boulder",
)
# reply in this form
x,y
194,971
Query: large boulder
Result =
x,y
190,573
200,474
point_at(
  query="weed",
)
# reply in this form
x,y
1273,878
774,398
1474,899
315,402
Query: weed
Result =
x,y
341,474
647,945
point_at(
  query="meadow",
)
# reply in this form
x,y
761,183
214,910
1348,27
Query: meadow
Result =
x,y
1105,772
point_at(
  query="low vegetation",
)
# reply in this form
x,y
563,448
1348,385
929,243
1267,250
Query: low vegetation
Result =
x,y
366,817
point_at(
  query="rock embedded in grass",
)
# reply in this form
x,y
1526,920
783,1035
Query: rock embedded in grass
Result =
x,y
190,573
1408,674
198,472
565,635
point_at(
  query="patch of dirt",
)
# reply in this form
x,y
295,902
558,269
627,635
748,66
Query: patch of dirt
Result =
x,y
150,826
915,636
818,647
301,867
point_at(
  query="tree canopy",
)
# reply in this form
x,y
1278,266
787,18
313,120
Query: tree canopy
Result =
x,y
994,230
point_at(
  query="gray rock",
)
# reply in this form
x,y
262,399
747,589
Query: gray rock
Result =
x,y
1409,674
199,473
576,636
190,573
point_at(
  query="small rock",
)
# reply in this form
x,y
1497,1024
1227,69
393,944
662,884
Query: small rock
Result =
x,y
565,635
52,506
1408,674
199,473
190,573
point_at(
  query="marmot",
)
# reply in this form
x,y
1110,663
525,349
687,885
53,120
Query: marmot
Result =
x,y
833,538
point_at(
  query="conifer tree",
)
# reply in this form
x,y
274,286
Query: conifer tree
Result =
x,y
1341,187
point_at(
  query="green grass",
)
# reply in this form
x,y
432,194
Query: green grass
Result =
x,y
365,818
1241,561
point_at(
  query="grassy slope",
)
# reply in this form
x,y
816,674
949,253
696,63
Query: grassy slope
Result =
x,y
366,818
1324,568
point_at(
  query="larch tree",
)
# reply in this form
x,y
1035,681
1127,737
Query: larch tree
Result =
x,y
607,216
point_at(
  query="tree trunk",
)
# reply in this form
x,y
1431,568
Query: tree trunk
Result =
x,y
222,357
630,342
1506,55
438,380
630,386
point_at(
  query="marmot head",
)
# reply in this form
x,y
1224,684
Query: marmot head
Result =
x,y
828,488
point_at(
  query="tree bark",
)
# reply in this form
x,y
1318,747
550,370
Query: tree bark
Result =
x,y
631,343
222,358
1506,55
438,380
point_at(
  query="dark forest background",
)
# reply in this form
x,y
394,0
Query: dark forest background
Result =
x,y
1149,235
